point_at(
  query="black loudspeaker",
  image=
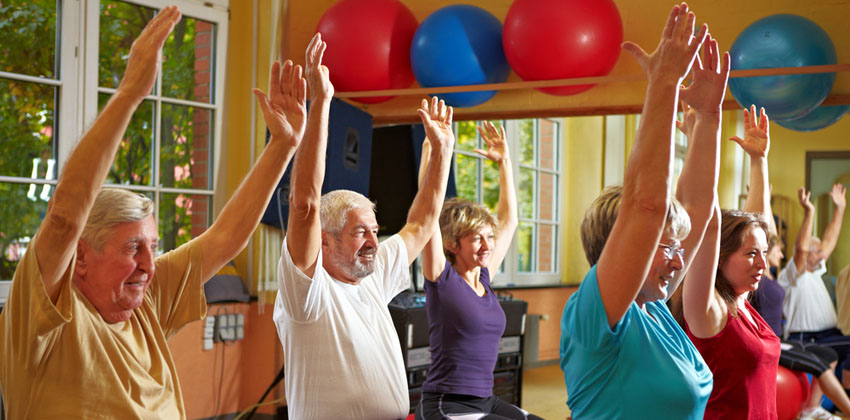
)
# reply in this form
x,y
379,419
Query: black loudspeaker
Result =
x,y
396,151
347,162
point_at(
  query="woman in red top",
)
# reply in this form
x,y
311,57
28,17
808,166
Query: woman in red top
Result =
x,y
736,343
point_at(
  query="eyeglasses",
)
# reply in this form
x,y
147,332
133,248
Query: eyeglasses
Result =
x,y
671,251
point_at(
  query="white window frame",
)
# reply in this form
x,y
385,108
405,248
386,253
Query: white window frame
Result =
x,y
77,79
215,12
510,277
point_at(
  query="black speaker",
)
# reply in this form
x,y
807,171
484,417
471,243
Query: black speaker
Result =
x,y
347,162
396,151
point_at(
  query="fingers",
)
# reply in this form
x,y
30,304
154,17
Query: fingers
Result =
x,y
274,78
320,52
287,78
312,47
424,113
163,23
302,92
725,66
636,51
699,39
449,114
763,121
738,140
264,104
671,23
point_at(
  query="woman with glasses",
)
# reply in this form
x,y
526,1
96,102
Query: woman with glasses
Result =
x,y
622,353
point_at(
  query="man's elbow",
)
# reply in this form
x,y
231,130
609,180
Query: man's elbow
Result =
x,y
303,207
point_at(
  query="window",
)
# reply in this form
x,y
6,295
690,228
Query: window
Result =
x,y
535,155
56,74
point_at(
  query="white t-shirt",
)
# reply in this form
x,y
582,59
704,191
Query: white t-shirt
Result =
x,y
341,351
807,306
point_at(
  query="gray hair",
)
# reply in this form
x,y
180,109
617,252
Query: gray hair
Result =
x,y
111,208
335,206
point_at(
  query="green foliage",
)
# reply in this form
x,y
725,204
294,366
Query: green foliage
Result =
x,y
28,45
27,37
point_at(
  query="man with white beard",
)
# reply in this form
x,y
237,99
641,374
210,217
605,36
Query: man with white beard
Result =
x,y
342,355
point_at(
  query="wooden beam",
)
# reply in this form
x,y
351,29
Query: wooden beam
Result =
x,y
779,71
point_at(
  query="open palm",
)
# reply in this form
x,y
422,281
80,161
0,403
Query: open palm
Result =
x,y
497,147
756,141
285,109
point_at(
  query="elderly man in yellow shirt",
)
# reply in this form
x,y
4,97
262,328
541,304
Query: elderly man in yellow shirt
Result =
x,y
83,332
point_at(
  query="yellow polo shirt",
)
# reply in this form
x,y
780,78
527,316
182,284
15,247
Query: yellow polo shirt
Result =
x,y
65,361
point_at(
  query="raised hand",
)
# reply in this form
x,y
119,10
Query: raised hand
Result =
x,y
437,119
756,141
805,199
285,109
706,92
689,116
146,54
497,147
838,196
318,75
677,49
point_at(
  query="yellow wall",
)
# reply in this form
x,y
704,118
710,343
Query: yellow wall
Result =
x,y
585,138
787,162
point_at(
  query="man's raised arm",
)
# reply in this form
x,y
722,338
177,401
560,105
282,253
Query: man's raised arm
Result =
x,y
833,229
285,113
86,168
304,232
426,207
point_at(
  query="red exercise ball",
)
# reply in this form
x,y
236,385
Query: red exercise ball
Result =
x,y
368,45
792,393
559,39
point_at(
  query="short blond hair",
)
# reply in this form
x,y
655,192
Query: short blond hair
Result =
x,y
334,208
461,217
601,215
113,206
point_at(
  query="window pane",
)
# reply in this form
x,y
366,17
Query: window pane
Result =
x,y
526,142
133,163
467,136
187,69
547,197
23,209
181,218
28,31
490,188
525,252
526,193
467,177
545,248
184,157
548,144
120,24
26,129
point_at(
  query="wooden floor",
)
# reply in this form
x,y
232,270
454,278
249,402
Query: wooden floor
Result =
x,y
543,392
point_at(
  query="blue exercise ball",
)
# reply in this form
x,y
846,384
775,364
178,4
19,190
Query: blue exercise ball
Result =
x,y
782,41
459,45
821,117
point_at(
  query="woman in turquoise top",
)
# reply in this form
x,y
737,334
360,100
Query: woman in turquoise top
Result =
x,y
622,354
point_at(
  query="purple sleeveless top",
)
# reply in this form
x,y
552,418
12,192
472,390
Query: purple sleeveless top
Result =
x,y
767,300
465,330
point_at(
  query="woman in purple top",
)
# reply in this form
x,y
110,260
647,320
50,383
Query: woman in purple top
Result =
x,y
465,318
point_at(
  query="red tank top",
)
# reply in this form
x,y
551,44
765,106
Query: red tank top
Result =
x,y
743,358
